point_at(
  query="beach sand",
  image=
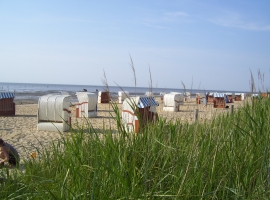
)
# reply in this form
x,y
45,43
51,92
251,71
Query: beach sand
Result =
x,y
21,130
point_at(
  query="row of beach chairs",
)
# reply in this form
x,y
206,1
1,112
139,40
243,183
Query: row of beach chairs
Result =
x,y
54,109
219,100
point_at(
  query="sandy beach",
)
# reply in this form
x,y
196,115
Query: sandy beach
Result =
x,y
21,130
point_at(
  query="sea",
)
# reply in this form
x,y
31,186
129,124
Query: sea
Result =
x,y
32,91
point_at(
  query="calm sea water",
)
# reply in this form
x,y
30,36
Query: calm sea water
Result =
x,y
34,90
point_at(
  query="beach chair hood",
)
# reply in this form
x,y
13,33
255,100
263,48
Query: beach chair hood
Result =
x,y
53,112
173,99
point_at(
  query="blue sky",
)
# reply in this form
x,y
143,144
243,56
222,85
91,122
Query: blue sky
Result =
x,y
206,44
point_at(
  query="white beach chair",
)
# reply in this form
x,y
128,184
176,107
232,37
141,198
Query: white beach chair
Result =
x,y
122,95
87,106
53,113
172,101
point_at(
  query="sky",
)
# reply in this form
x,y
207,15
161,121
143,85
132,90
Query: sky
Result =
x,y
210,44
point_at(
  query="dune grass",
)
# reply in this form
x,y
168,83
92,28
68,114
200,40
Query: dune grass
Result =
x,y
227,158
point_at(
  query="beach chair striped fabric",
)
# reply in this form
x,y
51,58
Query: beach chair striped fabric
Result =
x,y
146,101
6,95
219,95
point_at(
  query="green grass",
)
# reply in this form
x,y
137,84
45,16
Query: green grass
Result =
x,y
227,158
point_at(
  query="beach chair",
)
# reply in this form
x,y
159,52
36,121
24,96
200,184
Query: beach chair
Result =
x,y
53,113
187,96
199,96
219,100
172,101
238,96
138,107
103,97
122,95
7,105
87,106
210,99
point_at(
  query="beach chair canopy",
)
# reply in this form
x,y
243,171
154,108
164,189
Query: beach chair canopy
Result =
x,y
6,95
87,97
139,101
51,107
172,99
146,102
219,95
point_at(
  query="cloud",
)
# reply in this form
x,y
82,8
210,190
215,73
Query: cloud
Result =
x,y
235,20
166,20
176,14
151,24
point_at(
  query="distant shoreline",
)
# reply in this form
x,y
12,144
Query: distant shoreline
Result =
x,y
26,93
